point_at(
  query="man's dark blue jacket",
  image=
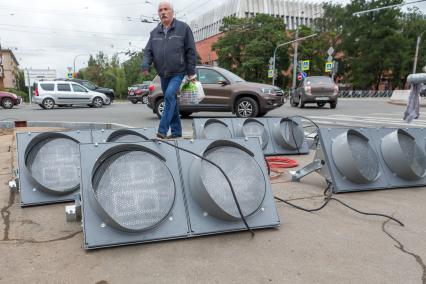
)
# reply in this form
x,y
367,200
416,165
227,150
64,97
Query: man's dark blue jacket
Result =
x,y
173,53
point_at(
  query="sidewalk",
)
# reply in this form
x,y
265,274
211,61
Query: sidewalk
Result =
x,y
335,245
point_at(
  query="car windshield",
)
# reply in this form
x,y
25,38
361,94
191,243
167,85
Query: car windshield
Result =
x,y
89,85
231,76
318,80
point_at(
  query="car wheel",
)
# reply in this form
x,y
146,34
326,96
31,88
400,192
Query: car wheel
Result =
x,y
321,104
7,103
42,106
185,114
107,101
333,104
159,108
292,102
134,101
97,102
301,103
48,103
246,107
145,100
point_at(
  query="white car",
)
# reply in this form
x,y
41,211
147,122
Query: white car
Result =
x,y
65,93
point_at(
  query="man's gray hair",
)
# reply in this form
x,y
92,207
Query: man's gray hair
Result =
x,y
168,3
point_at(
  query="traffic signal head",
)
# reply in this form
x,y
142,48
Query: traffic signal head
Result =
x,y
152,191
277,136
211,206
49,166
369,158
131,193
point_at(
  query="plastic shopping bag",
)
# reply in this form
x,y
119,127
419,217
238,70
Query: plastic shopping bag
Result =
x,y
191,93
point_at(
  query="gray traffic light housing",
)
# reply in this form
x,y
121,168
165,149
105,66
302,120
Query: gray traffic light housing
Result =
x,y
131,193
277,136
150,191
210,204
127,135
372,158
48,166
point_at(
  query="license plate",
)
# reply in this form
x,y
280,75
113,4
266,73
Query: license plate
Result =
x,y
131,94
322,98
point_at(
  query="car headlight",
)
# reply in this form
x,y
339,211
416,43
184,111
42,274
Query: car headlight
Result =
x,y
268,91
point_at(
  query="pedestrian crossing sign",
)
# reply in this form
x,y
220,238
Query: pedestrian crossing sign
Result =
x,y
270,73
305,65
328,66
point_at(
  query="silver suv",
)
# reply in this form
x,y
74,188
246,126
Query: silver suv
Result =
x,y
65,93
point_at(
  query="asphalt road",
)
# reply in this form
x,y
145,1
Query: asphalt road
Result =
x,y
373,112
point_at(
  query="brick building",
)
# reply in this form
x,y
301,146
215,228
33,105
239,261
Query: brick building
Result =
x,y
10,69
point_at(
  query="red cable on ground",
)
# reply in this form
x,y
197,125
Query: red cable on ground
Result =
x,y
281,163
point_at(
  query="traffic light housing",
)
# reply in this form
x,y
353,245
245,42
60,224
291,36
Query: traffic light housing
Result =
x,y
152,191
48,166
277,136
372,158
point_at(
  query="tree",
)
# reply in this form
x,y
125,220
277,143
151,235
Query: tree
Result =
x,y
249,43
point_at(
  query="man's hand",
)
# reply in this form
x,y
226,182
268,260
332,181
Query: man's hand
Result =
x,y
145,73
192,78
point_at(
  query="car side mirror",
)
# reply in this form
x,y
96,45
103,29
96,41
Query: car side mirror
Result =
x,y
223,83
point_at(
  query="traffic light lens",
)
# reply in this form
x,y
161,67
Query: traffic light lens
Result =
x,y
54,163
246,177
135,189
253,128
290,134
216,130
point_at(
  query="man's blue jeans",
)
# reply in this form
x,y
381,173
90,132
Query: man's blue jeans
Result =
x,y
170,117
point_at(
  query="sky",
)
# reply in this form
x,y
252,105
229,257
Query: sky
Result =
x,y
53,33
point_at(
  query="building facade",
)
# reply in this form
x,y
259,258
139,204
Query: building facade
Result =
x,y
9,66
206,27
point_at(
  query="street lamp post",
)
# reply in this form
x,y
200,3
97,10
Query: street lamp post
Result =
x,y
282,44
76,58
419,38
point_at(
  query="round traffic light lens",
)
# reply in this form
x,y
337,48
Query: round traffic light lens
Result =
x,y
253,128
245,175
135,189
54,163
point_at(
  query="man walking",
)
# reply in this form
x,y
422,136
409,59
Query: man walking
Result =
x,y
171,48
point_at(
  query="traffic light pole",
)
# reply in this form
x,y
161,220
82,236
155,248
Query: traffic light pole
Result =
x,y
293,86
282,44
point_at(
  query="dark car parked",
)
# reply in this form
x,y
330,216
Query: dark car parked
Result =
x,y
8,100
224,92
138,93
315,89
92,87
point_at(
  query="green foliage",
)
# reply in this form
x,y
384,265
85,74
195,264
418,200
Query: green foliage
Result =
x,y
249,43
375,45
369,48
110,73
